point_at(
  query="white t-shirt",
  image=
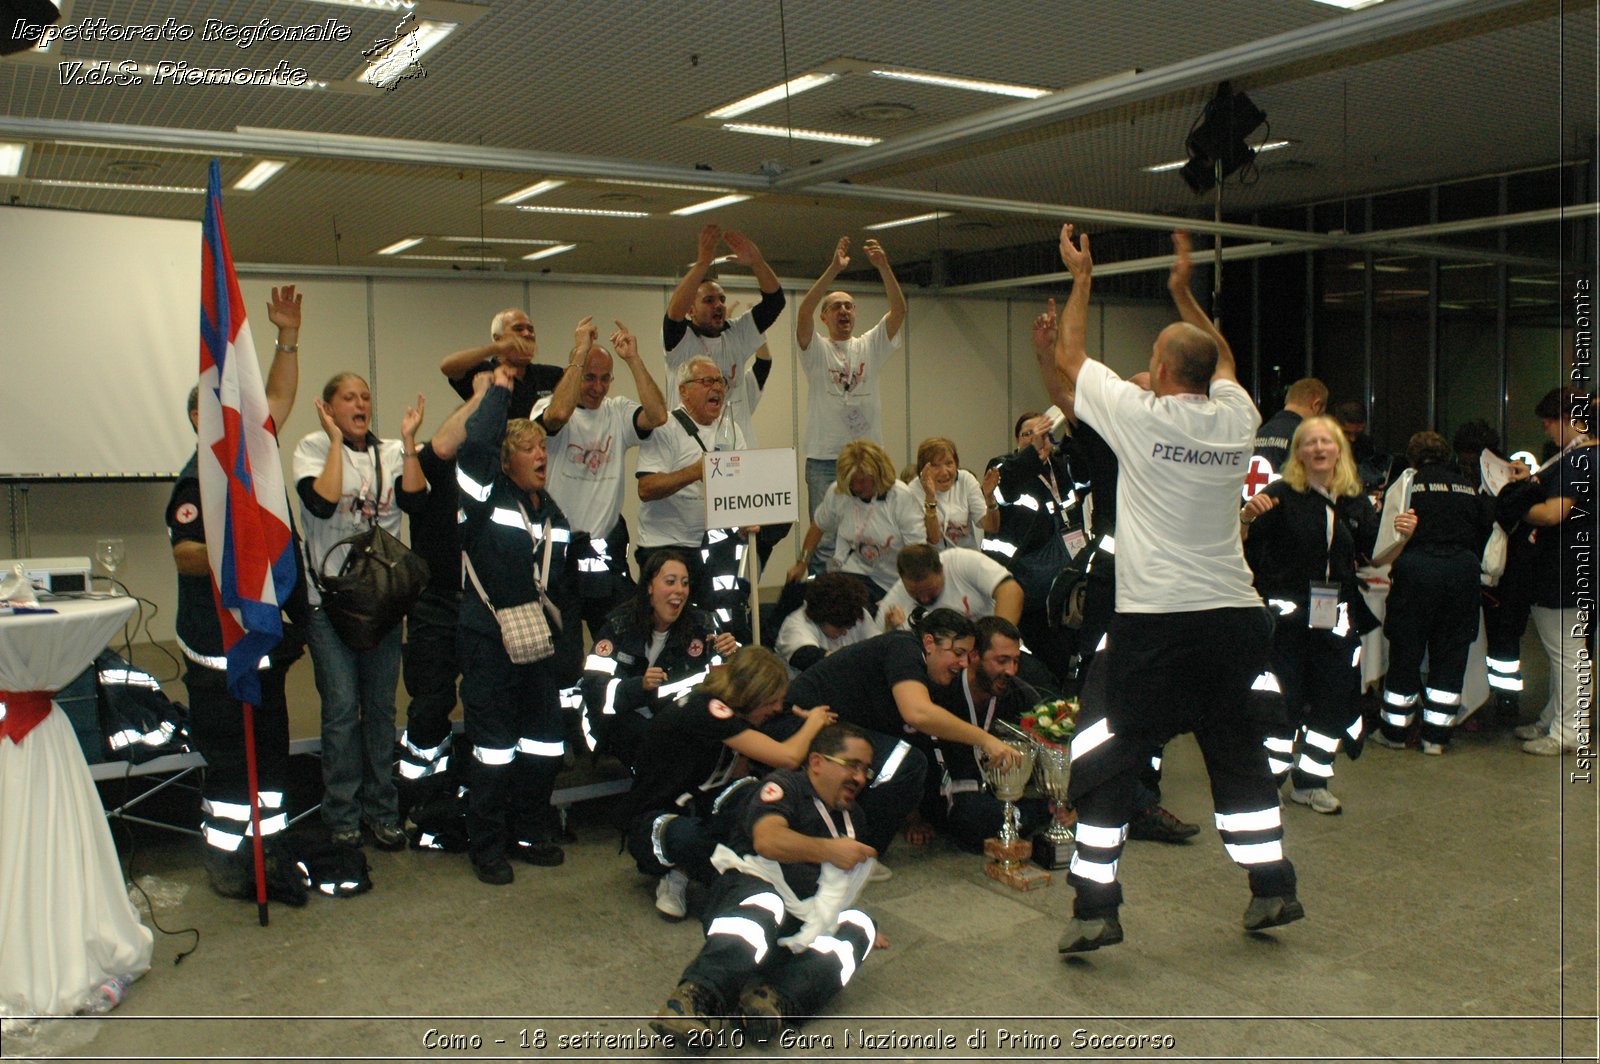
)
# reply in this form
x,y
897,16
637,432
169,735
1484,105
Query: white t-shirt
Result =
x,y
871,534
310,455
1183,460
961,508
679,520
732,351
586,457
799,630
970,578
845,402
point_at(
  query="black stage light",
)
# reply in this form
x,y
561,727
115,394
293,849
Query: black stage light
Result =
x,y
1228,119
22,21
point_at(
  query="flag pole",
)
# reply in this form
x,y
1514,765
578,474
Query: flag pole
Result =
x,y
255,811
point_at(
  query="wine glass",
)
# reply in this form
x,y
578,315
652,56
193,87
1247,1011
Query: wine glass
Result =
x,y
109,553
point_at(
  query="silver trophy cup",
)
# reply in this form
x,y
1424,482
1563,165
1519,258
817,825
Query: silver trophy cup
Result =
x,y
1055,766
1008,783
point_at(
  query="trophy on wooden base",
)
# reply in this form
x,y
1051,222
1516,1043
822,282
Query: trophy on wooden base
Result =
x,y
1008,851
1053,848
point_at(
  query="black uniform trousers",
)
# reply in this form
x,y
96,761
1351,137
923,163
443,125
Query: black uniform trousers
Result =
x,y
429,669
744,921
1099,606
1433,611
660,840
216,728
1166,674
514,723
1319,674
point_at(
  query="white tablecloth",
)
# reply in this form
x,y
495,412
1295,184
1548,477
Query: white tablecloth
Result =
x,y
66,923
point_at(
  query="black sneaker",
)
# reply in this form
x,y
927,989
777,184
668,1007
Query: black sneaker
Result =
x,y
1082,936
1272,912
1156,824
496,872
764,1011
286,881
387,836
687,1018
543,854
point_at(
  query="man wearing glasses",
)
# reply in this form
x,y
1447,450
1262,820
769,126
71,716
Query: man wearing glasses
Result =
x,y
782,935
881,686
672,495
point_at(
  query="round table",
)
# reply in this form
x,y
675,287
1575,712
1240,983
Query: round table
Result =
x,y
66,924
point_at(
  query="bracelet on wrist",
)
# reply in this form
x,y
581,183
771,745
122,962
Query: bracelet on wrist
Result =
x,y
288,349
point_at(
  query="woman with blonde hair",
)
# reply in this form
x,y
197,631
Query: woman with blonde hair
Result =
x,y
872,517
696,756
955,510
1304,536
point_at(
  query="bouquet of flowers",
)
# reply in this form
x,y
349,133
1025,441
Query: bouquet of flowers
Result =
x,y
1052,722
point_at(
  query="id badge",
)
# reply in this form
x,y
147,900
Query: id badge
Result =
x,y
855,419
1324,605
1075,541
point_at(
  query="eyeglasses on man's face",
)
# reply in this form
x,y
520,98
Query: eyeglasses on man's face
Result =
x,y
851,766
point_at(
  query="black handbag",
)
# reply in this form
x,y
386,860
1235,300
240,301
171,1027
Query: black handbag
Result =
x,y
376,586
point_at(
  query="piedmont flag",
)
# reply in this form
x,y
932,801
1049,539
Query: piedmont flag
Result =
x,y
241,480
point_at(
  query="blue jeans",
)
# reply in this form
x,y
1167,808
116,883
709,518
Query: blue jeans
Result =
x,y
821,473
357,689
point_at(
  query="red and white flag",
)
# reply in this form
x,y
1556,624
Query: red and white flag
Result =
x,y
253,567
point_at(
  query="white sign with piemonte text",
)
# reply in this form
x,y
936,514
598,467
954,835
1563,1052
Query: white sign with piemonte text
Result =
x,y
743,488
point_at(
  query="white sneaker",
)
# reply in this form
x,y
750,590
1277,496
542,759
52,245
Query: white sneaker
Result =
x,y
880,872
672,895
1432,749
1320,799
1528,731
1544,746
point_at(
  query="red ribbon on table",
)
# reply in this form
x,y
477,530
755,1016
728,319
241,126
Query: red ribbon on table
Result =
x,y
22,711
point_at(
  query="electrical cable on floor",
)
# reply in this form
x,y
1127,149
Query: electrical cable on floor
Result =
x,y
127,868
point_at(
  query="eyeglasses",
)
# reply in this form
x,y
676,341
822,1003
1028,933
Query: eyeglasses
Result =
x,y
851,766
705,382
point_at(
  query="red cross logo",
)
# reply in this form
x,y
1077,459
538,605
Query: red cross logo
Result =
x,y
1260,475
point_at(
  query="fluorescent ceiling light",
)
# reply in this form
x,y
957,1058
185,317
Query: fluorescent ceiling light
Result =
x,y
536,189
116,186
259,174
390,65
792,87
1161,168
498,240
547,252
1026,92
399,245
800,134
11,159
659,184
149,147
711,204
1350,5
453,258
913,220
588,212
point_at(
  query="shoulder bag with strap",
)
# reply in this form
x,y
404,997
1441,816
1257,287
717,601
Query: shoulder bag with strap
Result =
x,y
378,583
527,631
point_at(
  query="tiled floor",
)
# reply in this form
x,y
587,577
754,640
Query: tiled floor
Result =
x,y
1452,914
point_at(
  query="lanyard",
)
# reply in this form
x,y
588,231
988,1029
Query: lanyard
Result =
x,y
849,828
972,709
